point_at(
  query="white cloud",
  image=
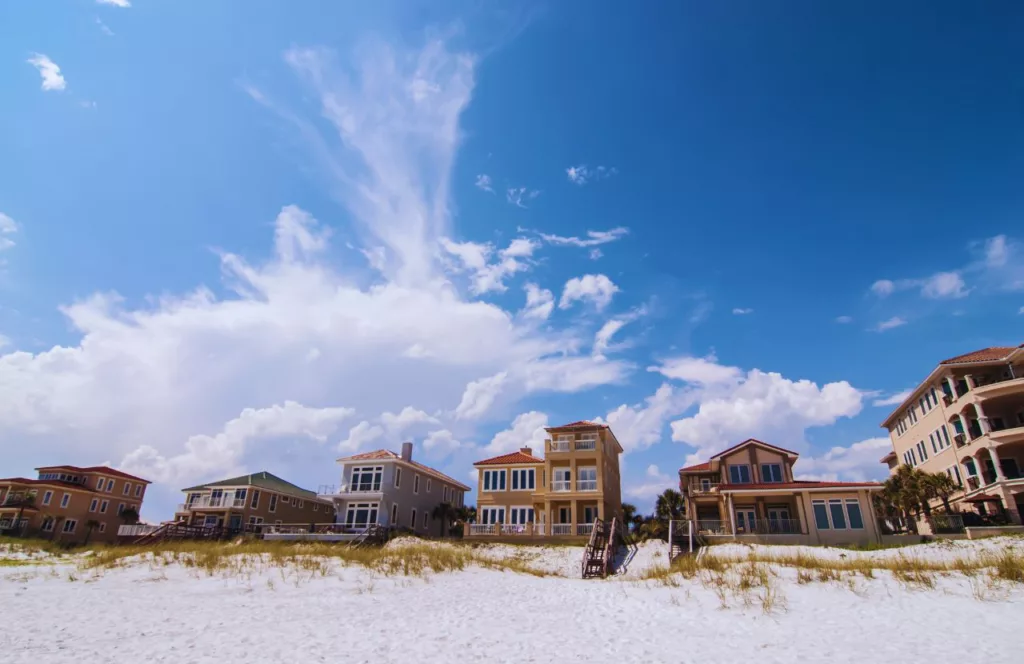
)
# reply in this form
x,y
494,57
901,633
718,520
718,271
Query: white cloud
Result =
x,y
857,463
104,29
527,430
844,319
655,483
124,4
359,437
889,324
595,254
997,251
408,417
205,455
894,399
582,174
488,276
442,442
603,338
593,239
596,288
539,302
742,312
883,287
49,71
1021,310
483,181
699,370
944,285
734,405
639,426
516,195
5,341
480,395
7,227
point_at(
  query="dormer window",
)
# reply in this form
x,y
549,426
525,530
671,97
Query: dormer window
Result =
x,y
739,474
771,472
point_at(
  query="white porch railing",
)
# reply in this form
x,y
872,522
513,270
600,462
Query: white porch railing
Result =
x,y
558,446
561,486
561,529
586,485
586,444
214,501
702,486
136,530
482,528
338,489
584,529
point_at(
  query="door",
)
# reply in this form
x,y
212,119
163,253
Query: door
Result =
x,y
236,522
589,514
564,515
745,521
778,520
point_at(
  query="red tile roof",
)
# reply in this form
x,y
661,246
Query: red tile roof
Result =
x,y
887,457
984,355
511,458
700,466
96,469
25,480
754,440
797,485
582,424
389,455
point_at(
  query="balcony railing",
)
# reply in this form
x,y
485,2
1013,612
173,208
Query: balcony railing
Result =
x,y
705,486
561,529
338,489
712,527
584,529
482,528
586,485
136,530
586,445
558,445
213,501
973,483
561,486
773,527
960,439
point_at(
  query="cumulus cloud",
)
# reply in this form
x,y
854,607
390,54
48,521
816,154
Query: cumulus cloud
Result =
x,y
441,442
857,463
539,302
595,288
483,181
359,437
698,370
654,484
407,418
640,426
49,71
527,430
489,276
480,395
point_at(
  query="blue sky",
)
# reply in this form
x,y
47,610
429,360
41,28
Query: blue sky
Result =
x,y
244,236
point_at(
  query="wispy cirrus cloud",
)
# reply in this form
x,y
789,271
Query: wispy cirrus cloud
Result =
x,y
483,182
740,311
123,4
582,174
893,399
7,228
49,71
517,195
889,324
104,28
592,239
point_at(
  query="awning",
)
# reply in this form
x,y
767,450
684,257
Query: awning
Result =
x,y
983,498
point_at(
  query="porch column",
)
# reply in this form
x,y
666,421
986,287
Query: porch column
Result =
x,y
732,518
963,426
574,518
995,462
963,474
952,386
969,380
800,515
982,419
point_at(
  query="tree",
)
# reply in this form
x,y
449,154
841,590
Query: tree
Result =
x,y
25,501
941,486
670,506
628,514
130,515
445,513
90,525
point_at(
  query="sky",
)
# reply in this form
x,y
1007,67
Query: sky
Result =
x,y
244,236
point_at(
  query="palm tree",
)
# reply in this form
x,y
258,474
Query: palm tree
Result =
x,y
90,525
941,486
445,513
670,506
628,514
28,500
130,515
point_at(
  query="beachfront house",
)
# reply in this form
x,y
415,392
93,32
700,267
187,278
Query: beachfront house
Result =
x,y
390,489
577,482
250,502
70,504
966,419
748,493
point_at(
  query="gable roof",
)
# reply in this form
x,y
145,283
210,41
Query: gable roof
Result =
x,y
105,470
992,354
263,480
388,455
508,459
581,424
54,483
749,441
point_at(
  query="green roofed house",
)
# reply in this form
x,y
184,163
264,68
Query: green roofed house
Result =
x,y
249,501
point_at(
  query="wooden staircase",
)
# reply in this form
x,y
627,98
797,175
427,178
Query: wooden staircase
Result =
x,y
596,557
683,539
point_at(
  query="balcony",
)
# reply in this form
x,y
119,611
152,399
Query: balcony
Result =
x,y
586,445
561,486
559,445
365,489
699,487
996,385
213,502
136,530
584,529
564,529
586,485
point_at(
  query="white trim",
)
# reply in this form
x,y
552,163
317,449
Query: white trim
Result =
x,y
394,515
94,504
416,484
272,507
103,506
64,528
398,477
488,485
65,500
412,519
47,497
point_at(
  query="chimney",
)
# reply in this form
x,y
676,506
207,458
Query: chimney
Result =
x,y
528,451
406,451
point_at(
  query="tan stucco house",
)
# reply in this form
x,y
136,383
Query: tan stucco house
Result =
x,y
558,496
70,504
748,493
966,419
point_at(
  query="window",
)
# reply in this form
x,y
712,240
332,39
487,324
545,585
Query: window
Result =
x,y
412,519
524,479
444,492
739,474
771,472
561,479
426,519
286,500
47,497
416,484
912,414
255,520
94,504
954,472
103,507
138,490
120,508
103,526
494,480
835,508
110,485
922,451
69,526
99,483
240,497
367,478
586,479
302,503
398,478
492,515
273,502
361,515
913,457
521,515
127,489
394,514
820,515
945,434
255,503
316,506
48,524
65,499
